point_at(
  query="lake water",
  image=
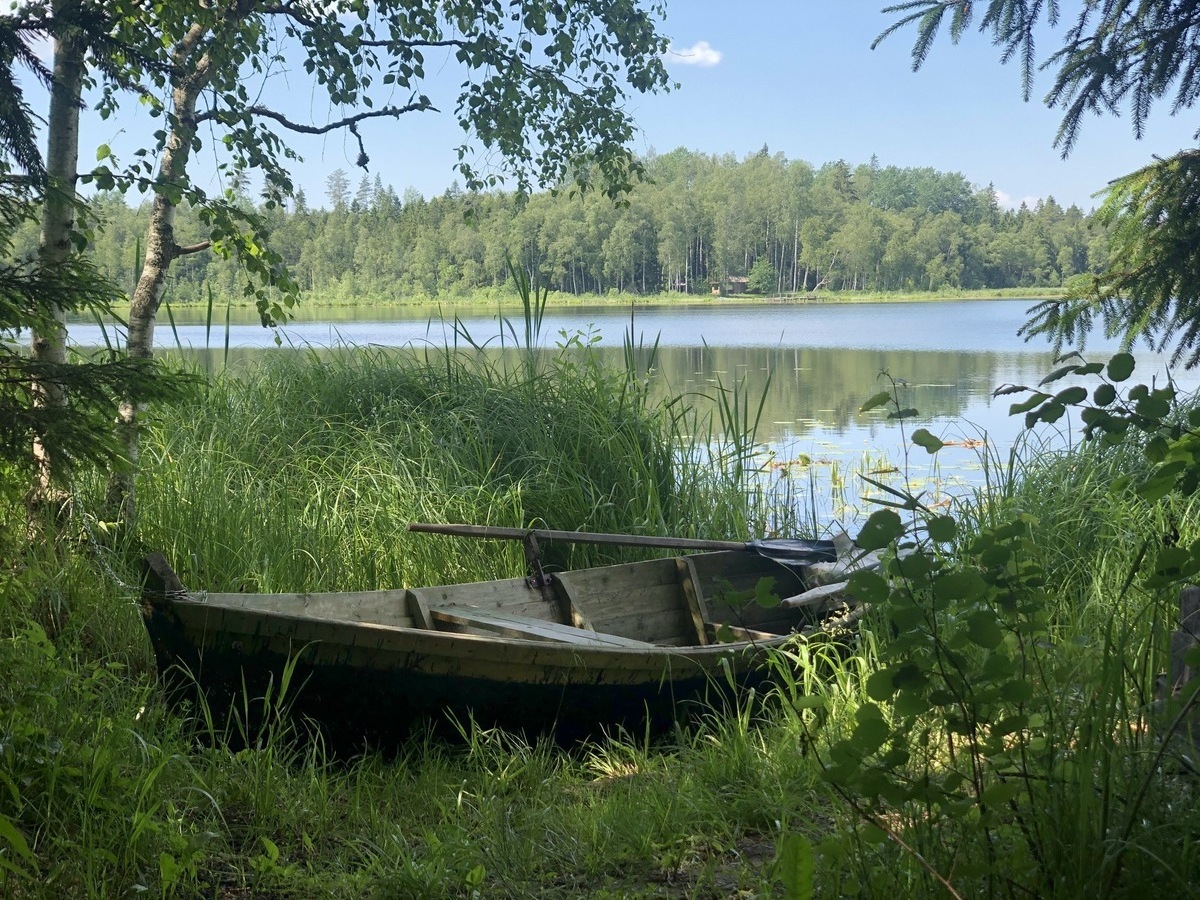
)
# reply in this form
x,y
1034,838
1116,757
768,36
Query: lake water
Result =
x,y
811,365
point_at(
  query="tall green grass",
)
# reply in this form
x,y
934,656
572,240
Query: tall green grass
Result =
x,y
303,472
1045,760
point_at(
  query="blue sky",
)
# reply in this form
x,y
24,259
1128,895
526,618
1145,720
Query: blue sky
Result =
x,y
801,78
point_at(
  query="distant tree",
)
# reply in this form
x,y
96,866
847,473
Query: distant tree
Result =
x,y
763,277
702,214
337,189
238,185
1113,54
362,196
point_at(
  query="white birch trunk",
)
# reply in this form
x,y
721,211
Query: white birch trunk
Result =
x,y
58,218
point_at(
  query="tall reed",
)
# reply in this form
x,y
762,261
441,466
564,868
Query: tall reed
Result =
x,y
305,470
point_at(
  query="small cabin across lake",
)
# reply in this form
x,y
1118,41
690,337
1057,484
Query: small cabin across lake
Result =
x,y
730,285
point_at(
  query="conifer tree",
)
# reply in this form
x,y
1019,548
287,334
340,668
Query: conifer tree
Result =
x,y
1112,57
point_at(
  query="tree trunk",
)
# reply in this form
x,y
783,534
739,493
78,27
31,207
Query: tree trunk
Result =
x,y
58,215
796,255
161,251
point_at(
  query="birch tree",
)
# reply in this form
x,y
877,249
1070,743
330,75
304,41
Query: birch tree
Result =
x,y
60,406
541,102
48,339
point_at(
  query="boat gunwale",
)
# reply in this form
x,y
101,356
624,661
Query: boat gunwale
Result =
x,y
651,649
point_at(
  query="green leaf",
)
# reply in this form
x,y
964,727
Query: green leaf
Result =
x,y
1072,395
1104,395
881,686
12,836
1120,367
810,701
868,586
764,593
796,866
1156,488
1157,449
909,676
882,528
873,834
959,584
984,630
1162,480
1173,561
910,703
1016,691
1011,724
922,438
1035,399
942,529
1058,373
906,618
1001,792
1051,412
868,736
103,152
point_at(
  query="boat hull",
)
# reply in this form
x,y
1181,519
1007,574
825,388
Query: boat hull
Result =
x,y
379,684
255,660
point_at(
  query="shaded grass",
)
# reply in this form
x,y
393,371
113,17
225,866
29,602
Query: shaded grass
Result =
x,y
112,795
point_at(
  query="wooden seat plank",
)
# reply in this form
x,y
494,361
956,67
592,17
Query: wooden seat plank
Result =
x,y
527,627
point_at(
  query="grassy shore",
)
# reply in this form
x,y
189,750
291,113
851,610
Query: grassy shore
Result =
x,y
1055,771
507,298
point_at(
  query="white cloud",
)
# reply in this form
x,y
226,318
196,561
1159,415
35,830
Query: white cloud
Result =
x,y
701,53
1010,202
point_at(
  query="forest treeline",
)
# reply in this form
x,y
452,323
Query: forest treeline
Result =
x,y
701,219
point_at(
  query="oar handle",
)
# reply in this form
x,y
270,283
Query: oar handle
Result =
x,y
579,537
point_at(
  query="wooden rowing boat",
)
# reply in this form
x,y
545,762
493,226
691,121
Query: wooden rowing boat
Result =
x,y
630,645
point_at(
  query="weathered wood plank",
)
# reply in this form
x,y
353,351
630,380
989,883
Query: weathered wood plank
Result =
x,y
514,595
418,608
696,603
644,601
527,627
736,633
721,577
379,607
819,597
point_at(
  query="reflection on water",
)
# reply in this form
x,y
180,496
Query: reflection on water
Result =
x,y
811,366
979,326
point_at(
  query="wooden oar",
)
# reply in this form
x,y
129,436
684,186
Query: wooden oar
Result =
x,y
784,550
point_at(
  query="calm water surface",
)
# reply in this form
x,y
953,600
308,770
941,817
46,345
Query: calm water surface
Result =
x,y
812,366
950,326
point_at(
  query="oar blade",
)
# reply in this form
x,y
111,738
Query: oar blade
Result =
x,y
795,552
